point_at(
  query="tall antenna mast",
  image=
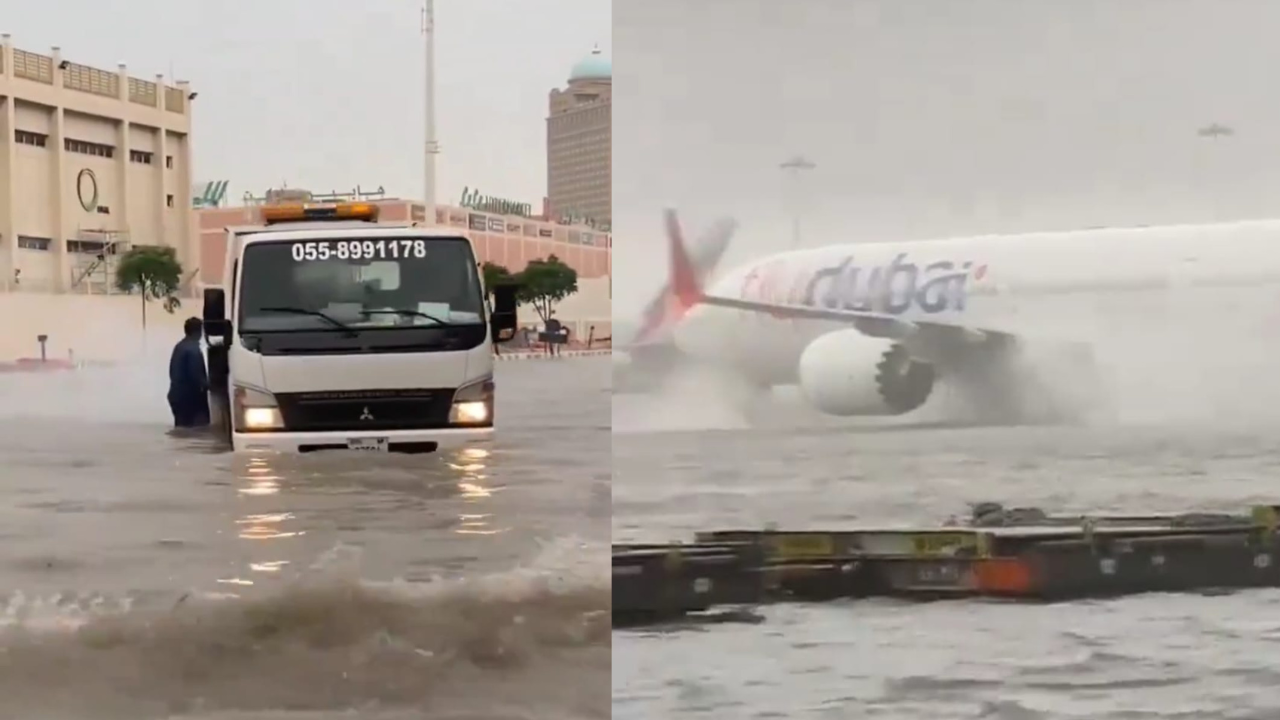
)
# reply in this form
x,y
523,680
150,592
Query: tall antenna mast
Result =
x,y
431,147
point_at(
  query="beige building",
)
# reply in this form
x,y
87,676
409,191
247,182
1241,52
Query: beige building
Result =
x,y
580,144
92,162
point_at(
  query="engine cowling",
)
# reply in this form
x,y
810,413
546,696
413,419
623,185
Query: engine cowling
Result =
x,y
847,373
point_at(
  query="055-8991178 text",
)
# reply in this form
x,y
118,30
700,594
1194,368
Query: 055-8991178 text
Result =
x,y
358,250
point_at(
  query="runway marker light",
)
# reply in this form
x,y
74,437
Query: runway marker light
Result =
x,y
303,212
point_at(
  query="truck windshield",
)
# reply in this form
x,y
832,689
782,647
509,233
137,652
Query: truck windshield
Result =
x,y
359,284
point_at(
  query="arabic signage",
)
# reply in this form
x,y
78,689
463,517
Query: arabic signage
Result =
x,y
472,199
496,225
573,218
477,222
209,194
458,219
544,232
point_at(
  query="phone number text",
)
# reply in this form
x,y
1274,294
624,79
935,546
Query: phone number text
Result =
x,y
358,249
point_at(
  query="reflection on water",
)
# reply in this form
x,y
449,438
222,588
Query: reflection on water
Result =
x,y
254,582
284,499
472,487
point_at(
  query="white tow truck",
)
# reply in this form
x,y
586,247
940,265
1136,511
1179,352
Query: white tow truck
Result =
x,y
335,332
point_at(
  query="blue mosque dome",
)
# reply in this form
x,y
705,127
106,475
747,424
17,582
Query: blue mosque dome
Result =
x,y
593,67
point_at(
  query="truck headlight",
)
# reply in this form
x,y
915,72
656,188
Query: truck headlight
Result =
x,y
256,409
473,403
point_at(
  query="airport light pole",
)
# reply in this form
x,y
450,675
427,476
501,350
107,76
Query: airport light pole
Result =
x,y
1206,164
794,168
432,147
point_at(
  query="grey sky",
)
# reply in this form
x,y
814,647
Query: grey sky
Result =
x,y
327,94
934,117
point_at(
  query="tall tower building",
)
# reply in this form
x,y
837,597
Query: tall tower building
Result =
x,y
580,144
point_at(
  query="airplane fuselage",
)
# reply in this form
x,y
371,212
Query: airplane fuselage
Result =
x,y
1077,286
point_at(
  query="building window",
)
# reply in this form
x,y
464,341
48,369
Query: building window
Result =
x,y
27,242
168,162
168,201
141,156
91,247
26,137
88,148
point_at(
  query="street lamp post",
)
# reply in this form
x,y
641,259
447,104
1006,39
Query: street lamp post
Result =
x,y
794,168
431,147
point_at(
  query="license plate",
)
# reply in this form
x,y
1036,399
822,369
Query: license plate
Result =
x,y
368,444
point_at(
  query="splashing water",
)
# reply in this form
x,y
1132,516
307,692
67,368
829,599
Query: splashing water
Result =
x,y
130,390
495,646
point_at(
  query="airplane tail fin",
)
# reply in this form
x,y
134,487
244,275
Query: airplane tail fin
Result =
x,y
685,283
684,286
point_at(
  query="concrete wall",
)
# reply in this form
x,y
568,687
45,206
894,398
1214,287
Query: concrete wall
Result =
x,y
589,306
95,327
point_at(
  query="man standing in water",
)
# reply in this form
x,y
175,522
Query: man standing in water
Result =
x,y
188,380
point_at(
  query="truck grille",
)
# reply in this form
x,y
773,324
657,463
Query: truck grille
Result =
x,y
350,410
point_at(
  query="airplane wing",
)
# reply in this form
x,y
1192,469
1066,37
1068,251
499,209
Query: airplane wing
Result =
x,y
924,338
999,372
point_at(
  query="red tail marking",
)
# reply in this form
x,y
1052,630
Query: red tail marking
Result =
x,y
685,288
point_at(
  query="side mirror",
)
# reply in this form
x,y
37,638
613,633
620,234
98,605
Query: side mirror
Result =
x,y
218,330
503,318
216,325
215,305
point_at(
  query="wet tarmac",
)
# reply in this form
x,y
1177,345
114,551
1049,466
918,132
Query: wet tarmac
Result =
x,y
145,575
1161,656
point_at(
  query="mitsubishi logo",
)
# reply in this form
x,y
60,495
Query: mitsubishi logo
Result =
x,y
366,415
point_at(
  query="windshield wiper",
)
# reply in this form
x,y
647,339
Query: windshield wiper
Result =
x,y
316,313
411,313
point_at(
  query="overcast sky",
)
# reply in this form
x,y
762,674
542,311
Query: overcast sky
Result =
x,y
327,94
935,117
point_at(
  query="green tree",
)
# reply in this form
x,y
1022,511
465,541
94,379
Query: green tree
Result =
x,y
494,275
152,272
543,283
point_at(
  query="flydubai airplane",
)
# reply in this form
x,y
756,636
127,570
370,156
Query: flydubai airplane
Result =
x,y
1010,322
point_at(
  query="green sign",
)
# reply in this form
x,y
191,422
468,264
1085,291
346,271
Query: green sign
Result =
x,y
498,206
209,196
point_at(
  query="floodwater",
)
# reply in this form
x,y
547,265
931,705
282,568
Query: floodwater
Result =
x,y
149,576
1157,656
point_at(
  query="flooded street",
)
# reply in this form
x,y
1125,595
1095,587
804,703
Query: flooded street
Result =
x,y
1147,656
145,575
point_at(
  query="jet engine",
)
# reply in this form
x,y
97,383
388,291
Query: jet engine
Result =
x,y
847,373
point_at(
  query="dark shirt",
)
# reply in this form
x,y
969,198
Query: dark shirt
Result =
x,y
187,376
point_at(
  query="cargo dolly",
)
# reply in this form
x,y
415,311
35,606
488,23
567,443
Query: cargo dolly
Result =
x,y
1014,554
